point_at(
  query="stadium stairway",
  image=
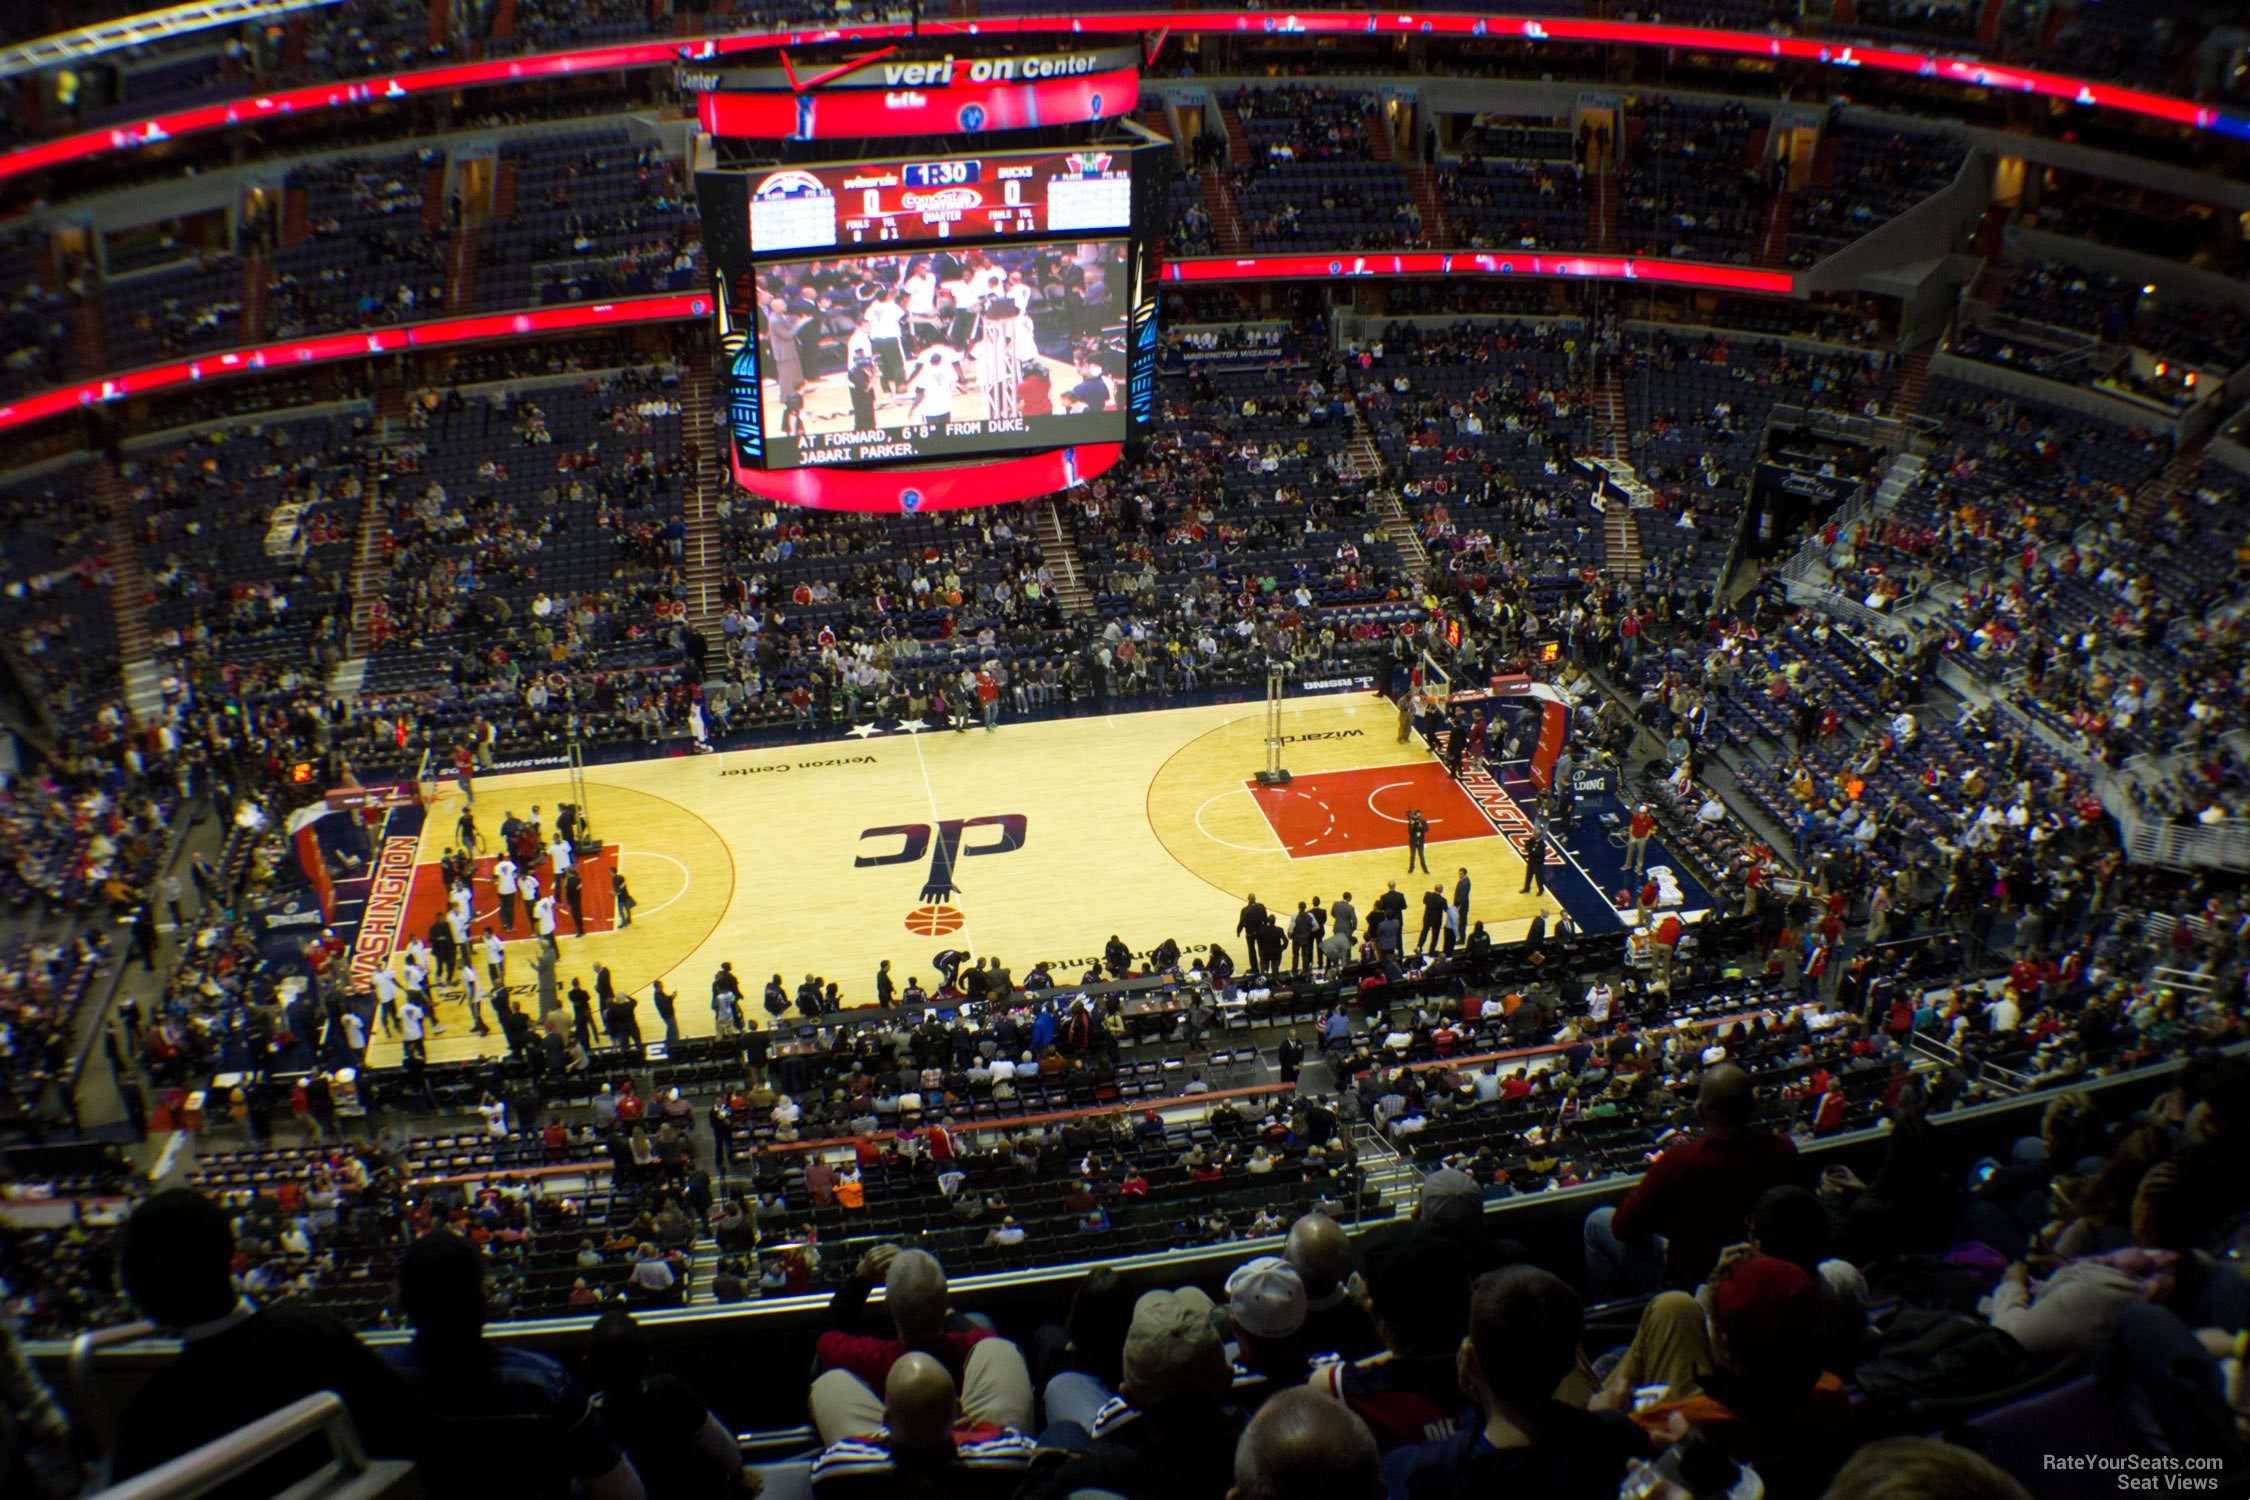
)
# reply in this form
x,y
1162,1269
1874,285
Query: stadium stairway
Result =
x,y
1602,210
370,575
293,40
2180,473
1621,541
1396,525
706,573
1913,384
433,200
1058,549
1389,1175
89,344
1226,224
295,216
128,599
1824,160
1238,139
1422,180
1773,241
461,272
1609,417
257,278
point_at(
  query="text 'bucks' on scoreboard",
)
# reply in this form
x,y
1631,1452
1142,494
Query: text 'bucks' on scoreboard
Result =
x,y
1026,194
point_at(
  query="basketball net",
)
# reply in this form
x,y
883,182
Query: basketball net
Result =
x,y
1437,683
1000,362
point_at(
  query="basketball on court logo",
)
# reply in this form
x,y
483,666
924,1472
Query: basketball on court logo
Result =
x,y
933,921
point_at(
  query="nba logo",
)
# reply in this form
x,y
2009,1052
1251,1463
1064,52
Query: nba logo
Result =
x,y
910,501
804,117
1096,109
972,117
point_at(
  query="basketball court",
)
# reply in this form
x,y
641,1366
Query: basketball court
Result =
x,y
1034,843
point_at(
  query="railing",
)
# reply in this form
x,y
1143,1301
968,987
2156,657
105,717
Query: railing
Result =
x,y
2196,846
86,1398
250,1445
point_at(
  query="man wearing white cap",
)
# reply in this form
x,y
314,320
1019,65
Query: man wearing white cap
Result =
x,y
1266,1306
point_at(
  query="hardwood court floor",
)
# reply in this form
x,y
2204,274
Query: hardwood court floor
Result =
x,y
825,859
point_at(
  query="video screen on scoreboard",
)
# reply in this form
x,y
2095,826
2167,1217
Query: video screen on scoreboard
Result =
x,y
1029,195
941,353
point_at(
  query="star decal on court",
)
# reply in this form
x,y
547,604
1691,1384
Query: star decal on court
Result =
x,y
862,731
913,726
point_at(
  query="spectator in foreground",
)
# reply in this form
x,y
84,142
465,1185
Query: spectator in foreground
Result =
x,y
1915,1468
1336,1323
1301,1443
1694,1198
989,1372
237,1362
1266,1309
1083,1362
924,1446
1418,1285
1762,1394
493,1418
1168,1434
678,1448
1524,1330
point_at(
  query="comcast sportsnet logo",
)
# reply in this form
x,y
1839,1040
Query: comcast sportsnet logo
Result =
x,y
944,200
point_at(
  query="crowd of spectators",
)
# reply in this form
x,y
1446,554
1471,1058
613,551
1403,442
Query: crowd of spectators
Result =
x,y
36,319
1689,187
594,216
2121,310
1317,172
1878,175
368,257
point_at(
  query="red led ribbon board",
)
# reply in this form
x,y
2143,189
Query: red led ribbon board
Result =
x,y
908,491
968,109
1338,265
1969,72
294,353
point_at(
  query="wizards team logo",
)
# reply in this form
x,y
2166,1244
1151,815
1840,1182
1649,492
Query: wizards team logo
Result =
x,y
945,845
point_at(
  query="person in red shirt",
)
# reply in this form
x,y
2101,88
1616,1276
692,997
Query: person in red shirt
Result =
x,y
995,1385
1667,940
1691,1203
988,697
1636,838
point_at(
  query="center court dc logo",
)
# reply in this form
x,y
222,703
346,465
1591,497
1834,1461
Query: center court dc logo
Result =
x,y
972,117
910,500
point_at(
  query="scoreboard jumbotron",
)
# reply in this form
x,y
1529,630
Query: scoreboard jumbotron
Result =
x,y
965,319
987,196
